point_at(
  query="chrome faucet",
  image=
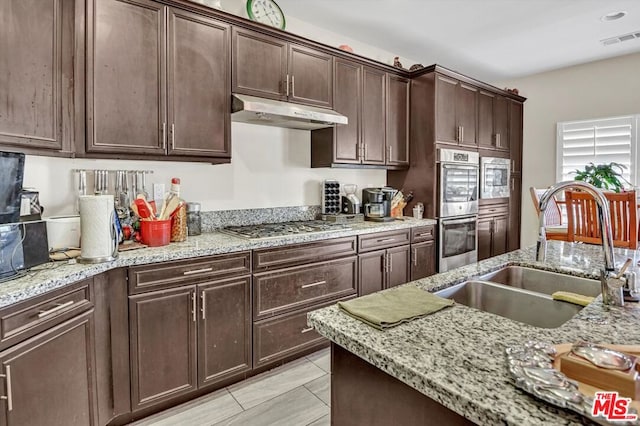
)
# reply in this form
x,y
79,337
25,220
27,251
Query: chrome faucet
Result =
x,y
612,283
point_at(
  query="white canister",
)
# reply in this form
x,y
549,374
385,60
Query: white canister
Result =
x,y
63,232
98,230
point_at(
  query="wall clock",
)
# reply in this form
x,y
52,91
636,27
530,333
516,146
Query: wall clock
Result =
x,y
266,12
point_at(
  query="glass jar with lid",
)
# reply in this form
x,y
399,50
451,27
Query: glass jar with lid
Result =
x,y
194,220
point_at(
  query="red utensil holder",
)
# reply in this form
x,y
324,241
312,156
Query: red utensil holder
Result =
x,y
155,233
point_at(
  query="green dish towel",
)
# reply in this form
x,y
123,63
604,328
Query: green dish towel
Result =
x,y
391,308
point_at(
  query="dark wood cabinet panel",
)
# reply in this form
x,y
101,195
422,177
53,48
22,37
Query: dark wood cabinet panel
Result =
x,y
31,73
501,122
199,85
126,78
381,240
371,272
423,260
50,377
398,269
484,238
311,76
466,113
297,254
515,135
515,212
499,240
347,100
485,119
259,64
292,288
373,116
224,333
445,98
397,120
163,345
422,233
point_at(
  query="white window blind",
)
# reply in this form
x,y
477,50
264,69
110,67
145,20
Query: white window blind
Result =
x,y
599,141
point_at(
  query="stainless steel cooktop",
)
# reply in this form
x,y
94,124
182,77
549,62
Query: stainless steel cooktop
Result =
x,y
273,230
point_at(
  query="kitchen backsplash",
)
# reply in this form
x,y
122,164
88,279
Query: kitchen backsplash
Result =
x,y
214,220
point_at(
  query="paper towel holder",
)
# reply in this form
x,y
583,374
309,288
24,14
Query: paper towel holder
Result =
x,y
113,237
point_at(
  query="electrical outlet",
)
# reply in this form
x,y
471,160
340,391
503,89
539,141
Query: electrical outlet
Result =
x,y
158,191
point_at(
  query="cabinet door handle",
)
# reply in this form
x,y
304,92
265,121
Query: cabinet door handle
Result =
x,y
193,306
461,133
498,142
415,257
390,263
173,136
9,396
306,330
513,165
204,305
385,240
287,86
57,308
364,157
384,263
164,135
313,284
293,85
197,271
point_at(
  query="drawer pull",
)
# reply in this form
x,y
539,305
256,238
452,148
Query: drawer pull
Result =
x,y
197,271
306,330
386,240
424,234
9,396
58,307
314,284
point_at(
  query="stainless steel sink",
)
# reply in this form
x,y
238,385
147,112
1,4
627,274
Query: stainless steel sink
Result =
x,y
531,308
543,281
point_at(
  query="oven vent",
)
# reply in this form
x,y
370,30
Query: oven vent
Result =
x,y
618,39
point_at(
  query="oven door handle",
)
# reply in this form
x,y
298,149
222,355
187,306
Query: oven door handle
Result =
x,y
458,221
459,166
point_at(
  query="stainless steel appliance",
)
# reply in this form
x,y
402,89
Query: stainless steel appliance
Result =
x,y
458,182
494,177
458,208
267,112
458,242
376,203
274,230
11,176
350,201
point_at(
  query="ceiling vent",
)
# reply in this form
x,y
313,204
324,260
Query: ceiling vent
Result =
x,y
618,39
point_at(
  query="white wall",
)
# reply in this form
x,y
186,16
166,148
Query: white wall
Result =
x,y
270,167
595,90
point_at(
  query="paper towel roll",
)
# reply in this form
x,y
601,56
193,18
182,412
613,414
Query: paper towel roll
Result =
x,y
98,241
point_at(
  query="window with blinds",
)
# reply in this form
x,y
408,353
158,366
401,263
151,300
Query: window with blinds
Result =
x,y
597,141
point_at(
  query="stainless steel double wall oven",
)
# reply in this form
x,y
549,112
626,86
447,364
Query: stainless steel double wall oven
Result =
x,y
458,179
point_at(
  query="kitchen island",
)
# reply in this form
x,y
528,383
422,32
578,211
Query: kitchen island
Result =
x,y
456,357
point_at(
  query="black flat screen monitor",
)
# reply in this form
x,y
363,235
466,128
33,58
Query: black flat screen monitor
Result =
x,y
11,176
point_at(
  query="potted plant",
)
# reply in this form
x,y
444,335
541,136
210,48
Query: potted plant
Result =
x,y
603,176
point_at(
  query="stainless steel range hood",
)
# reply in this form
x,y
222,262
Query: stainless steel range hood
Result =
x,y
267,112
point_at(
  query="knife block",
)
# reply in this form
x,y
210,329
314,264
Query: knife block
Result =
x,y
626,383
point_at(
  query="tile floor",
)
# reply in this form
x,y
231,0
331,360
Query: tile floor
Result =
x,y
295,394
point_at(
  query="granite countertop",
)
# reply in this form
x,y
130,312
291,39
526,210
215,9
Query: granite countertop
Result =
x,y
51,276
457,356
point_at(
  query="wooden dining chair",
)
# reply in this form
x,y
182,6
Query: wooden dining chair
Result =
x,y
583,224
553,226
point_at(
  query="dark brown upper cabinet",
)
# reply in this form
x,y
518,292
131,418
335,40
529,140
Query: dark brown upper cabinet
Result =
x,y
37,42
456,111
398,120
493,121
273,68
374,106
516,110
157,81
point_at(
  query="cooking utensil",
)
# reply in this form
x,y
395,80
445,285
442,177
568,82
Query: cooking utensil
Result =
x,y
144,209
602,357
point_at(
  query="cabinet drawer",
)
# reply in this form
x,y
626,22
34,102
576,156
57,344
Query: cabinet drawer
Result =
x,y
422,233
293,255
287,289
383,240
284,336
33,316
171,274
494,210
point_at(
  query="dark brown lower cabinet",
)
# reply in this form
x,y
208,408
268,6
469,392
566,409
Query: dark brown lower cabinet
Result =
x,y
382,269
224,333
423,260
186,338
48,379
163,345
493,234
